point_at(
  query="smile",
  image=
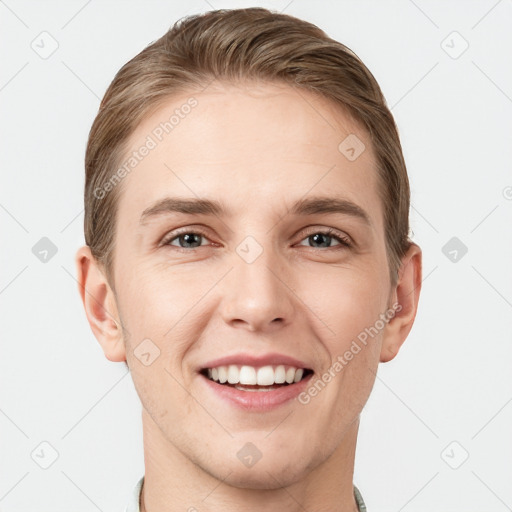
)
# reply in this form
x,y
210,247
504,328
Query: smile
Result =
x,y
251,378
255,389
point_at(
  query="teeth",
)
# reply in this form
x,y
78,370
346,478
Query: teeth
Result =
x,y
280,374
265,376
250,376
233,374
223,374
247,375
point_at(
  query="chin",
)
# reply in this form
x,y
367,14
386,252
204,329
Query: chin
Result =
x,y
261,476
260,480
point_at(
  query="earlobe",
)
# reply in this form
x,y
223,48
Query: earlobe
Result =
x,y
406,295
100,305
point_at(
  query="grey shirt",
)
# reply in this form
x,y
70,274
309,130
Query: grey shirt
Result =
x,y
134,503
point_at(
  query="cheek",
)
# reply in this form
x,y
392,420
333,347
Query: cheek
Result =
x,y
347,303
157,297
158,315
151,307
350,306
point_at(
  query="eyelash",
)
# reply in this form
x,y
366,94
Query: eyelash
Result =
x,y
344,241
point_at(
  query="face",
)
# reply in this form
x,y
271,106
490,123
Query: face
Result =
x,y
288,271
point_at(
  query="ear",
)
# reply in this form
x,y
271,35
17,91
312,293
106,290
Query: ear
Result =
x,y
100,305
405,296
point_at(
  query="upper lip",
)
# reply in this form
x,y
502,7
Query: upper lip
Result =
x,y
245,359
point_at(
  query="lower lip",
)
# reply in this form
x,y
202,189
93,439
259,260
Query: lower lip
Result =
x,y
257,400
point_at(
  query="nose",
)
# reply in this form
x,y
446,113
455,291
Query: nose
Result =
x,y
258,296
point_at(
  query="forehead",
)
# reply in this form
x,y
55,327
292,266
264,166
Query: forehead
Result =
x,y
255,146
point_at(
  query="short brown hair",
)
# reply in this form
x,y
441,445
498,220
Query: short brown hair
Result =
x,y
238,45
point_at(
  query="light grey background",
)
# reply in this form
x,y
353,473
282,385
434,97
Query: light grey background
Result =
x,y
448,393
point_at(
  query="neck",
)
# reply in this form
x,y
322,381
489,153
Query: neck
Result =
x,y
172,482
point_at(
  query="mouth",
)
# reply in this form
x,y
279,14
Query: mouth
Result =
x,y
254,382
256,379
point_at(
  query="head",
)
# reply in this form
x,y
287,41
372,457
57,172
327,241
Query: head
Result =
x,y
246,192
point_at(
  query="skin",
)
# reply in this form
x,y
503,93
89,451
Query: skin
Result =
x,y
257,148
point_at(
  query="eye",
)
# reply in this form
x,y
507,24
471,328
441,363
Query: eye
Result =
x,y
191,239
325,237
186,239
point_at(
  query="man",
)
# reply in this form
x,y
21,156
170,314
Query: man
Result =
x,y
246,222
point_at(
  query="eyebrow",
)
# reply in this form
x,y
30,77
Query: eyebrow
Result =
x,y
303,207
